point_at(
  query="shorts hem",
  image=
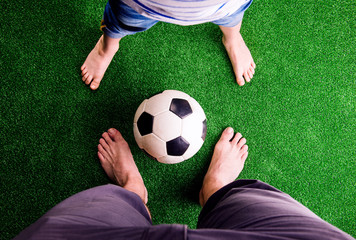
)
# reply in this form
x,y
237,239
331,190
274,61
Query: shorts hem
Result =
x,y
111,34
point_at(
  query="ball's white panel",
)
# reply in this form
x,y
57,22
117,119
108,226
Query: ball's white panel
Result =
x,y
170,159
154,146
167,126
140,110
138,136
177,94
192,129
197,109
158,103
193,149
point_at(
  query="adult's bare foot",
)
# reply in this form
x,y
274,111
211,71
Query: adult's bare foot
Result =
x,y
98,60
116,159
226,164
239,54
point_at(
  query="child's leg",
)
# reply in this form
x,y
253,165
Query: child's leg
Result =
x,y
240,56
98,60
119,20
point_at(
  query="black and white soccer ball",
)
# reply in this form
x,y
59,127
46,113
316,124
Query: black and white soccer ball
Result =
x,y
170,126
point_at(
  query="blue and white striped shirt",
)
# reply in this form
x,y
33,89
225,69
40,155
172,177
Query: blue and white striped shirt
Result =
x,y
185,12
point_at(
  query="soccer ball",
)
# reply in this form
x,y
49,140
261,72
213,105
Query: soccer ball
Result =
x,y
170,126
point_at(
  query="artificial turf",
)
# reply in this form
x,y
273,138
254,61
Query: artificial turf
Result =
x,y
298,113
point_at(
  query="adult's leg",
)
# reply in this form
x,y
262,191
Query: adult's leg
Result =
x,y
119,20
116,159
105,212
228,160
239,54
251,208
106,207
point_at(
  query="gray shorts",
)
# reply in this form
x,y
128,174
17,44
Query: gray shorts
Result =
x,y
245,209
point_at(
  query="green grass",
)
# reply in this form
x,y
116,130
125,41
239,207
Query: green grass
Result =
x,y
298,113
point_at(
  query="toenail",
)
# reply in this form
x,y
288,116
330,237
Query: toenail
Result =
x,y
229,130
111,131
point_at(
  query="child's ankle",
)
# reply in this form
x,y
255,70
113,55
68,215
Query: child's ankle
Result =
x,y
106,47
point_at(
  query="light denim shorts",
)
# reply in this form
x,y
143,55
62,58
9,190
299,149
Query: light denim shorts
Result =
x,y
120,20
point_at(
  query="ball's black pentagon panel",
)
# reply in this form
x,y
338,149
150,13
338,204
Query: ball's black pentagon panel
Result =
x,y
177,146
180,107
145,123
204,130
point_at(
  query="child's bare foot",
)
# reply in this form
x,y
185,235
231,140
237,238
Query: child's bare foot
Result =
x,y
116,159
98,61
240,56
226,164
